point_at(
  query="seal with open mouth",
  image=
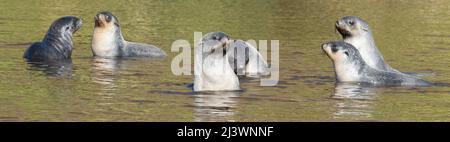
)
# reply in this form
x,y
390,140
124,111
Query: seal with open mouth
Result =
x,y
357,32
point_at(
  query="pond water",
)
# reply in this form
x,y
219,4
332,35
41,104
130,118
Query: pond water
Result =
x,y
413,36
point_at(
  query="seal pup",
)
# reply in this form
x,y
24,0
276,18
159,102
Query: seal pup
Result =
x,y
357,32
107,40
211,67
350,67
246,60
57,44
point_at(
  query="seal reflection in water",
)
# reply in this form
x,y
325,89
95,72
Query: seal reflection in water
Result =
x,y
350,67
55,69
108,41
215,106
104,74
57,44
354,101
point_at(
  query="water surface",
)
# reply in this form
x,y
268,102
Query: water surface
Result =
x,y
412,35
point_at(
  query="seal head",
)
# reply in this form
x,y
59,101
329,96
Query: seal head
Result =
x,y
351,26
346,59
213,42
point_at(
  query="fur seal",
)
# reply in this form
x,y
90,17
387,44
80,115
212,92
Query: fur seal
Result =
x,y
350,67
211,67
357,32
246,60
108,41
57,43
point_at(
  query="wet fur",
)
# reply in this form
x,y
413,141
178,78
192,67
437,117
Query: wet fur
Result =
x,y
57,44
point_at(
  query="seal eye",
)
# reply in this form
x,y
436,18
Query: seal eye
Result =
x,y
108,18
67,28
346,53
351,22
334,49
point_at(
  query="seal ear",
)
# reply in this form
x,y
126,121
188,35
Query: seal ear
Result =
x,y
346,53
365,28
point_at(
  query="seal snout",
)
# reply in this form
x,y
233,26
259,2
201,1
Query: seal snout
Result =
x,y
342,29
338,23
330,46
107,16
225,42
222,39
101,17
98,20
78,24
324,46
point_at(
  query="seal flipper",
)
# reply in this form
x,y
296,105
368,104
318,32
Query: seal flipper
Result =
x,y
132,49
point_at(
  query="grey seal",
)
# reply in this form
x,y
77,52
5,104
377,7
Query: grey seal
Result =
x,y
107,40
246,60
357,32
212,69
350,67
57,44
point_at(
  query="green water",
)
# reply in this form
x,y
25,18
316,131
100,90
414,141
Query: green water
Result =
x,y
414,36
